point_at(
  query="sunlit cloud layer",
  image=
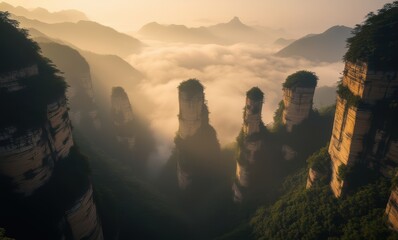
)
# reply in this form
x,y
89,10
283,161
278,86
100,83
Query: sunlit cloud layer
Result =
x,y
227,72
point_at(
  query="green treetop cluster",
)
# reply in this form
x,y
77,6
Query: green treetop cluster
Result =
x,y
255,94
302,78
191,87
375,41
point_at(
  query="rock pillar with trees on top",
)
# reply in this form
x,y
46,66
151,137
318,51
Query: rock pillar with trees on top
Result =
x,y
197,147
249,143
298,93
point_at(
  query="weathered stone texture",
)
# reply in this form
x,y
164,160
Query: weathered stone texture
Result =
x,y
83,219
26,159
313,176
352,125
371,86
252,116
60,127
297,105
191,111
392,210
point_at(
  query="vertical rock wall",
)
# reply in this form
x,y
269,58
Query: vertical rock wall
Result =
x,y
250,142
192,106
392,210
25,158
122,116
83,218
356,130
191,111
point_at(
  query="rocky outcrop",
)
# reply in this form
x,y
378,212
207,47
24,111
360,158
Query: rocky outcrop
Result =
x,y
197,147
392,210
26,159
360,129
249,143
312,178
83,107
122,116
192,107
83,218
36,142
298,93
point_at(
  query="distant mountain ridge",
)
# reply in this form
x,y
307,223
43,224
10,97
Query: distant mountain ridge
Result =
x,y
230,32
328,46
86,35
44,15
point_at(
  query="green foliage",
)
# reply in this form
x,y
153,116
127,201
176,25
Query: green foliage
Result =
x,y
316,214
17,50
376,40
191,87
345,93
28,107
255,94
3,235
301,79
320,161
342,172
394,181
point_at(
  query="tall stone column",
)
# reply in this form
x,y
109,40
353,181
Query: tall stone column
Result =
x,y
249,143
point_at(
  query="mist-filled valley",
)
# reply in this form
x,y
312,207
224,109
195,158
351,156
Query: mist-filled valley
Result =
x,y
227,130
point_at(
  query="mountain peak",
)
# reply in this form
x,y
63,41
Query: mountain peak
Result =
x,y
235,20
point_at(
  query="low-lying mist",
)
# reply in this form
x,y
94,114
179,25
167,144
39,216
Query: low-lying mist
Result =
x,y
227,72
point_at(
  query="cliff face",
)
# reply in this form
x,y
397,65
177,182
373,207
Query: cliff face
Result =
x,y
122,116
191,111
77,73
298,94
359,130
249,143
392,209
197,147
298,104
36,135
312,178
83,219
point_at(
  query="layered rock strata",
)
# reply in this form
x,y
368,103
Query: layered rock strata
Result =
x,y
361,120
297,100
83,218
36,143
392,209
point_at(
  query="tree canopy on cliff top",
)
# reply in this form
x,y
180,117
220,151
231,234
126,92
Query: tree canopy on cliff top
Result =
x,y
255,94
301,78
375,41
191,86
17,50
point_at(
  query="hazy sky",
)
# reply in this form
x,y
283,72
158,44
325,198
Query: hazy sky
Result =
x,y
295,16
